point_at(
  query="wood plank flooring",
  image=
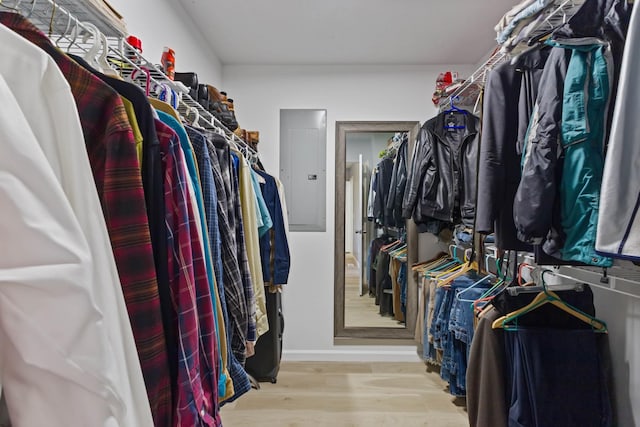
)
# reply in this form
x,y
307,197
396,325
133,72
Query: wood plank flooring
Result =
x,y
348,395
361,311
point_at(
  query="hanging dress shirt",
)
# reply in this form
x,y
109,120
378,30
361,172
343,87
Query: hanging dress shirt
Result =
x,y
53,116
53,339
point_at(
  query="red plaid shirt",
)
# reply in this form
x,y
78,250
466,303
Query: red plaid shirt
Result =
x,y
197,391
114,162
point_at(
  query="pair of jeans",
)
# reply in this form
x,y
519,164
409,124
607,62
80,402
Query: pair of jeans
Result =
x,y
459,332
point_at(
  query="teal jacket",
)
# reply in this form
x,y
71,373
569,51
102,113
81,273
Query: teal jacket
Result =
x,y
559,195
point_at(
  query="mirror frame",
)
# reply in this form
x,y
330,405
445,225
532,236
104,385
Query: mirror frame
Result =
x,y
339,329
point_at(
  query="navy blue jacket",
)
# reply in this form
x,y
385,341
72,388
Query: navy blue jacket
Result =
x,y
274,247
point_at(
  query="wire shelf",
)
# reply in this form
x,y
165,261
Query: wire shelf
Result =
x,y
468,94
59,19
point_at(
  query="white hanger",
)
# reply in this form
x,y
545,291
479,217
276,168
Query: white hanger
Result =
x,y
91,55
196,119
102,59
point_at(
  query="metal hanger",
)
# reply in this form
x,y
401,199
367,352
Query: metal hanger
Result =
x,y
33,7
15,8
66,30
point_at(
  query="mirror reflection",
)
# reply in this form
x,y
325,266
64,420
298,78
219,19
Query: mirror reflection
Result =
x,y
375,241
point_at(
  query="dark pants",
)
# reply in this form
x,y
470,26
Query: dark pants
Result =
x,y
556,378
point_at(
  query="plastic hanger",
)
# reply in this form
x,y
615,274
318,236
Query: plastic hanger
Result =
x,y
145,70
196,117
469,266
454,110
548,297
477,283
102,59
91,55
541,299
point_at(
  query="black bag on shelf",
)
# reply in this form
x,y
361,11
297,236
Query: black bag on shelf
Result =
x,y
264,365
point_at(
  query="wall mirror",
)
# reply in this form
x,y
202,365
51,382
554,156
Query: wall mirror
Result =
x,y
369,301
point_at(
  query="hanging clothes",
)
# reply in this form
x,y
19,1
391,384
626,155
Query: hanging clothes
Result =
x,y
567,205
196,401
248,201
237,304
373,185
619,222
49,266
106,132
237,383
274,246
442,183
383,184
508,85
397,186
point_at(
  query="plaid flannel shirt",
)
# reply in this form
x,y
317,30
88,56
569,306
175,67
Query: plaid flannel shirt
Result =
x,y
237,307
241,383
196,400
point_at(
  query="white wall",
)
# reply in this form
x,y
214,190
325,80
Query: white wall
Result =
x,y
160,23
377,93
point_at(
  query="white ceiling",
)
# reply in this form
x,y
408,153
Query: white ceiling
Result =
x,y
272,32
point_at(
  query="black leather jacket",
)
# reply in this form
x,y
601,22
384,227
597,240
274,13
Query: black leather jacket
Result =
x,y
442,181
398,184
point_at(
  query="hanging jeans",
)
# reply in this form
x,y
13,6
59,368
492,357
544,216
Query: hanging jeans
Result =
x,y
452,331
556,377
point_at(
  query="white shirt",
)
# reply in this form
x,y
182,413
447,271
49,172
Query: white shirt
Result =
x,y
52,335
46,101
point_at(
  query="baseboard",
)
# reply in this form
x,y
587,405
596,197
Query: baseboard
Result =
x,y
357,355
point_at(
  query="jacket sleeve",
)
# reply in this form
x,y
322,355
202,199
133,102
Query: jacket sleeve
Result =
x,y
398,184
391,196
533,206
372,194
282,254
492,173
420,160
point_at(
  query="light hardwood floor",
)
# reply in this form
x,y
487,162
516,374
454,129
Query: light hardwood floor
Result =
x,y
348,394
361,311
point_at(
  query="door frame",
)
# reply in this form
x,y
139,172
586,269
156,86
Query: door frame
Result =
x,y
340,331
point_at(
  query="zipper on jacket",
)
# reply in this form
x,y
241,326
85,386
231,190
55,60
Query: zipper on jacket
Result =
x,y
587,85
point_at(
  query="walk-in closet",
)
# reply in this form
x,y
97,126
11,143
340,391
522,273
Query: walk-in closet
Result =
x,y
336,213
